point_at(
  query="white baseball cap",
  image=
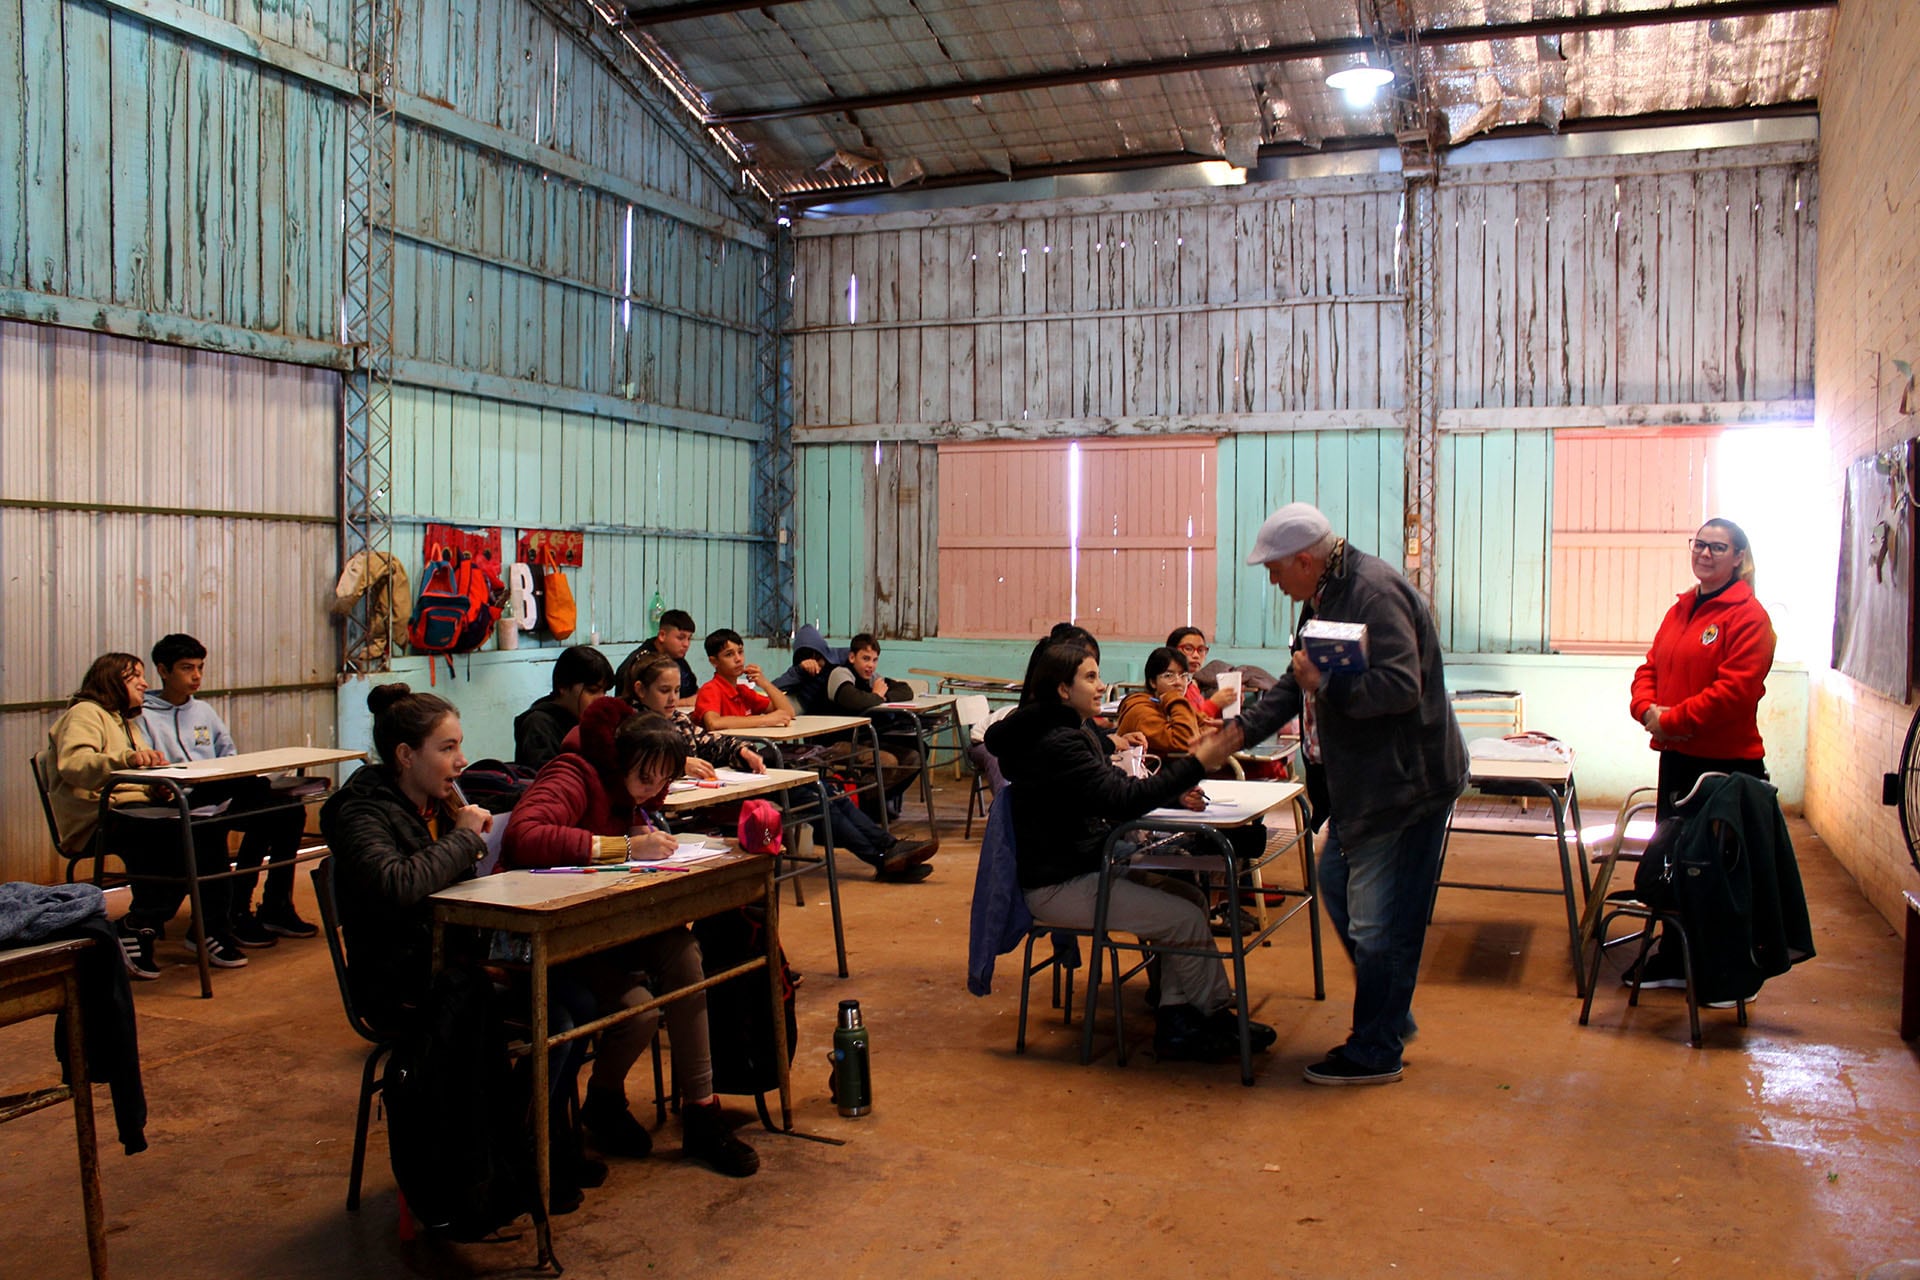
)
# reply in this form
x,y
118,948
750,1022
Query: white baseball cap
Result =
x,y
1293,528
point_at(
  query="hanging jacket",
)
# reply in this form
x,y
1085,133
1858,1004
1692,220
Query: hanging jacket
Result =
x,y
1708,667
1000,917
1725,863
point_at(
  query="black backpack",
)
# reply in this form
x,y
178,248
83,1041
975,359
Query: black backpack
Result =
x,y
458,1114
739,1014
496,785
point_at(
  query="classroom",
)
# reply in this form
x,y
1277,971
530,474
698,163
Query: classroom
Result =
x,y
840,464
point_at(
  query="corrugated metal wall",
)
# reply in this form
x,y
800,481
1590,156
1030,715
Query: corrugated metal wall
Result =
x,y
577,294
92,421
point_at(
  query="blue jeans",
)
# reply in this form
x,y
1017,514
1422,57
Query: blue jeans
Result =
x,y
1377,895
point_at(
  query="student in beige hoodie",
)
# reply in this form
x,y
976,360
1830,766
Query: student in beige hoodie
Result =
x,y
98,735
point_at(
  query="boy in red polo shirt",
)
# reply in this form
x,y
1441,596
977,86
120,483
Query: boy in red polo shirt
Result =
x,y
726,703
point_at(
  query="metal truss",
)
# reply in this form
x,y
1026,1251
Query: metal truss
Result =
x,y
773,577
366,419
1420,130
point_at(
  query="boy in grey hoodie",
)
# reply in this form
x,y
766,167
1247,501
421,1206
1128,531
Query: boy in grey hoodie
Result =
x,y
182,728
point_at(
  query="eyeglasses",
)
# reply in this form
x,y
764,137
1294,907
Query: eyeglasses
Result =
x,y
1193,646
1711,548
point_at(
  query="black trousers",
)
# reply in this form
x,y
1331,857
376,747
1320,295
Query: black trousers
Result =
x,y
1678,773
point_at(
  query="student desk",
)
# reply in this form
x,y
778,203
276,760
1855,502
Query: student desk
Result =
x,y
178,779
1549,780
40,980
687,799
995,687
1230,805
931,713
566,916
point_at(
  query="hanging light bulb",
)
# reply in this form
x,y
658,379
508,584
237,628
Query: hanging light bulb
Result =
x,y
1360,84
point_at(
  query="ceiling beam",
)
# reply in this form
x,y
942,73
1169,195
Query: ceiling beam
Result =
x,y
1286,150
1342,47
634,16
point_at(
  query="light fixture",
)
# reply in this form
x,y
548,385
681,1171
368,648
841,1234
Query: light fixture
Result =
x,y
1360,83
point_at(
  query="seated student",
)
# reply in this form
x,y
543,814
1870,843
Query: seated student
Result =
x,y
98,735
593,806
868,841
805,682
398,836
728,702
1061,762
185,728
580,674
1192,644
673,639
856,688
1161,713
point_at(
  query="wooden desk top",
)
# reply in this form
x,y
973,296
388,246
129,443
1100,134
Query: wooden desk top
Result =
x,y
32,979
1231,803
921,705
800,727
541,893
763,784
247,764
997,684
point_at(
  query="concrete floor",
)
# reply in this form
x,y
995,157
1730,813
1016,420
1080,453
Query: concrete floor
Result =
x,y
1519,1143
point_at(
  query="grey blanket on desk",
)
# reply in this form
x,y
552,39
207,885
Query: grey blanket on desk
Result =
x,y
31,913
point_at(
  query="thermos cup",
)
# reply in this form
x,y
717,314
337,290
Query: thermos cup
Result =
x,y
851,1080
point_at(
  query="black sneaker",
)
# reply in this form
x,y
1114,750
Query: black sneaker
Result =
x,y
249,932
1337,1069
1182,1034
1224,1020
136,945
222,952
612,1128
707,1137
286,922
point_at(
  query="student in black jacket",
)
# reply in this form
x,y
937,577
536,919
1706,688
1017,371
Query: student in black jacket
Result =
x,y
580,674
1049,750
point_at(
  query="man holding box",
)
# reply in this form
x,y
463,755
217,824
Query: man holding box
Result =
x,y
1382,730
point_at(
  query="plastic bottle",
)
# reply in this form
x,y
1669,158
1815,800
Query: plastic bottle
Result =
x,y
655,607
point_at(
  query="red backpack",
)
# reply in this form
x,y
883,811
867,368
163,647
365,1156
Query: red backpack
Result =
x,y
455,611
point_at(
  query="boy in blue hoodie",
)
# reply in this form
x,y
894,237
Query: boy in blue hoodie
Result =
x,y
184,728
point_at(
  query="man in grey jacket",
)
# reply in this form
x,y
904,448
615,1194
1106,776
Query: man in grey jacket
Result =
x,y
1393,763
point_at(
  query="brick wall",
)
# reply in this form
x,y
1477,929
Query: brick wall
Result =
x,y
1867,313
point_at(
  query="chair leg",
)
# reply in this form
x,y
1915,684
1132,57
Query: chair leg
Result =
x,y
1026,987
368,1087
659,1085
1693,996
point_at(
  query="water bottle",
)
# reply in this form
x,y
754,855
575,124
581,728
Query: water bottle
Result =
x,y
655,607
851,1080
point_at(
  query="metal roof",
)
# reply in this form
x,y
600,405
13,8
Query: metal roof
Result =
x,y
834,96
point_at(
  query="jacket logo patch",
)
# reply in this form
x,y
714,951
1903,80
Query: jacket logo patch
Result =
x,y
1711,634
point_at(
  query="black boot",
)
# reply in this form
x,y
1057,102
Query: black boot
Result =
x,y
1182,1034
707,1137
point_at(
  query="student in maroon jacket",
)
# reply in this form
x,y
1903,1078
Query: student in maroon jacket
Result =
x,y
1698,693
594,805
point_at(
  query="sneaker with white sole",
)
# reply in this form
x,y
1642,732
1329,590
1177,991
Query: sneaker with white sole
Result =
x,y
136,945
222,953
1338,1069
1730,1004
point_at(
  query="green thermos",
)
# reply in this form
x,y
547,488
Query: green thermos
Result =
x,y
851,1080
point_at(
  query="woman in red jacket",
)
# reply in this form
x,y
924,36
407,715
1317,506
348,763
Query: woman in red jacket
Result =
x,y
596,805
1698,693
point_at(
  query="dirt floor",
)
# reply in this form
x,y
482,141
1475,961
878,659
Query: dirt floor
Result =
x,y
1519,1143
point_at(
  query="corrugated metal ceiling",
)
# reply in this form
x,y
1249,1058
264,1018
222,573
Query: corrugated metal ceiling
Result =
x,y
978,91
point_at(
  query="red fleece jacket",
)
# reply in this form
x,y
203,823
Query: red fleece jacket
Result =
x,y
1709,670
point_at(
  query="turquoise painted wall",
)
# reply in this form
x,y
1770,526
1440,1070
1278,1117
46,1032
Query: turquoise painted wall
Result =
x,y
1492,576
1356,477
835,535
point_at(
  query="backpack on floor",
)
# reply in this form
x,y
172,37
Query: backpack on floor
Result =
x,y
459,1115
739,1011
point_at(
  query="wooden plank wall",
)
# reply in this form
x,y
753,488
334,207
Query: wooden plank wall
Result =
x,y
1674,278
92,421
834,564
664,510
1357,477
1617,282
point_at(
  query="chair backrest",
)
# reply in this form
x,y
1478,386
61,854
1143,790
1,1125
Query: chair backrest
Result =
x,y
46,803
322,874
